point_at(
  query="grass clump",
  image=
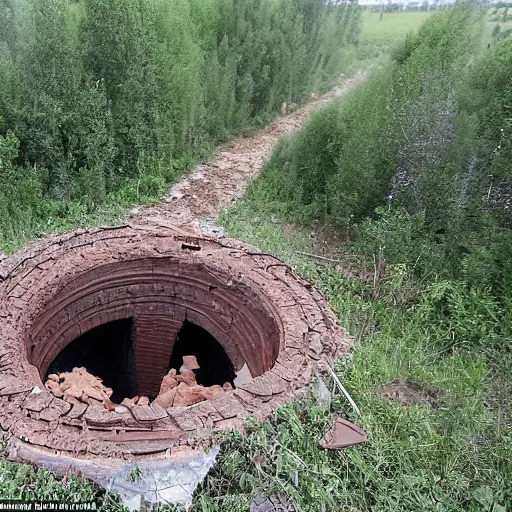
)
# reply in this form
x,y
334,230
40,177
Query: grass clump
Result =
x,y
453,456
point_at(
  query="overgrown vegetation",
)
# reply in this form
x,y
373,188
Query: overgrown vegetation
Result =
x,y
429,136
106,102
413,169
452,456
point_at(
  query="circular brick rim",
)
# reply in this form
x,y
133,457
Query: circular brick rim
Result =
x,y
284,307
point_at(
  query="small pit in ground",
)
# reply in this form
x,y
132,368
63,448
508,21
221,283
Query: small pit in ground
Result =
x,y
108,352
407,392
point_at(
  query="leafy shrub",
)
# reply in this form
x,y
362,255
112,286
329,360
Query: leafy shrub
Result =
x,y
97,91
399,238
469,316
343,163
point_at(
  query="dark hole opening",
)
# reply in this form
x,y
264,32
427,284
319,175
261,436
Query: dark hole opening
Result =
x,y
191,247
215,365
106,352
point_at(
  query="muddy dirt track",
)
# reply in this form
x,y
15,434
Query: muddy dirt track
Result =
x,y
213,186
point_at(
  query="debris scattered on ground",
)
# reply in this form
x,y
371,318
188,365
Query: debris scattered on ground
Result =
x,y
130,402
210,228
182,390
189,363
162,482
322,393
243,376
177,389
143,400
343,434
343,390
176,195
407,392
79,386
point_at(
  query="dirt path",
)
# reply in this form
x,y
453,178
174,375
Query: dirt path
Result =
x,y
196,201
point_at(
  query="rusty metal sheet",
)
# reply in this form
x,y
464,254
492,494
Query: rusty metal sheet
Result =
x,y
343,434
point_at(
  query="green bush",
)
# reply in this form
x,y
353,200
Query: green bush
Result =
x,y
101,92
343,163
468,316
490,97
430,136
416,168
400,239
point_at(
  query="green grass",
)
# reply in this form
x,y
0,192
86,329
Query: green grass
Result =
x,y
22,481
393,26
378,37
501,17
48,217
453,458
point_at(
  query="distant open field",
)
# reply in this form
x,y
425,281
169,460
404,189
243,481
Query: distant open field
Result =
x,y
498,26
379,36
392,27
383,33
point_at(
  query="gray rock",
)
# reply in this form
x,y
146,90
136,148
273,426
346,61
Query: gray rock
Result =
x,y
273,503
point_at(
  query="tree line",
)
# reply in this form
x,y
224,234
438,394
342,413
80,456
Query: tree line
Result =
x,y
96,92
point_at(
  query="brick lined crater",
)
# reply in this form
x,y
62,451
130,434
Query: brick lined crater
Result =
x,y
256,307
159,294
